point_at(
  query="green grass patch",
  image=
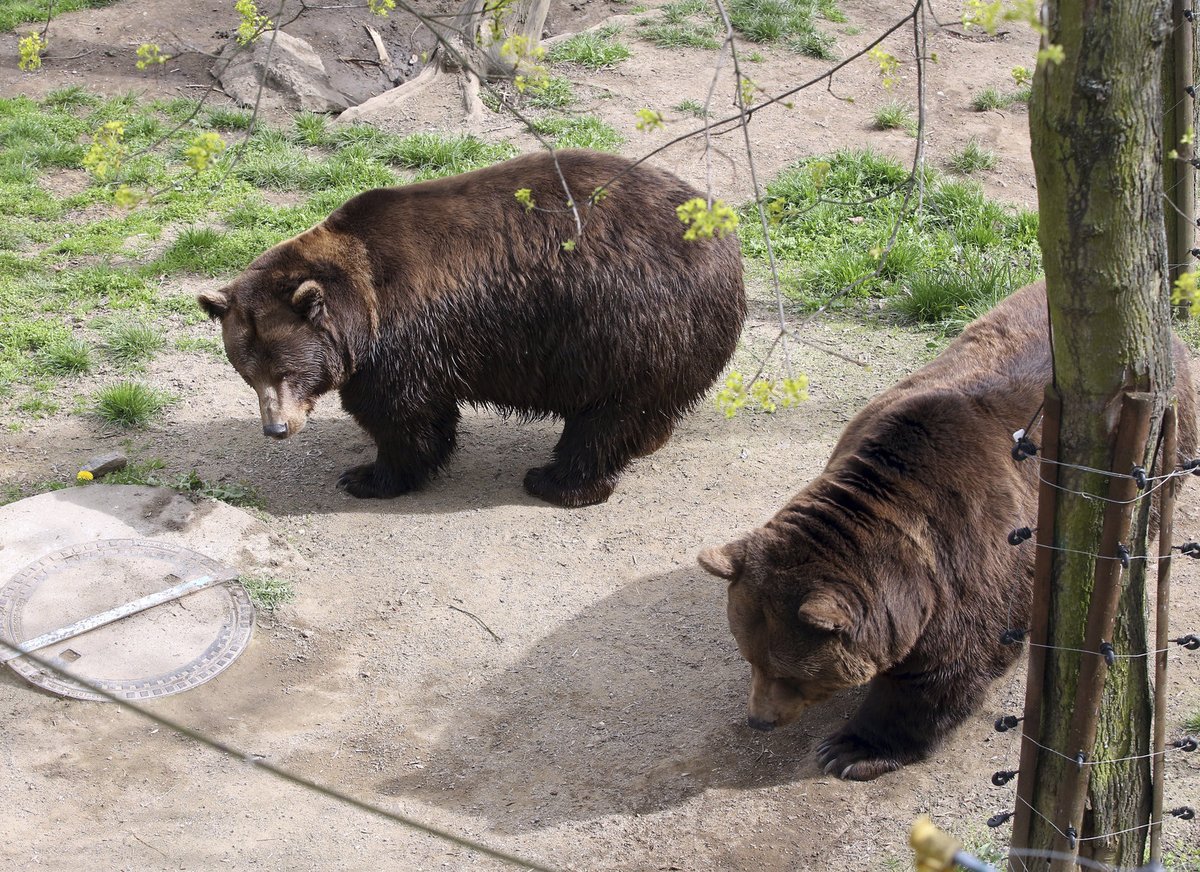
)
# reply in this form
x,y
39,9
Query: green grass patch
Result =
x,y
972,158
554,93
17,12
683,24
792,22
38,406
69,356
128,404
895,115
435,154
130,343
993,98
691,107
835,214
266,591
586,131
950,299
148,473
235,493
594,50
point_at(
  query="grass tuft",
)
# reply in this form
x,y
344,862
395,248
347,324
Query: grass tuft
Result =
x,y
594,49
267,592
585,131
895,115
555,93
130,343
972,158
128,404
66,357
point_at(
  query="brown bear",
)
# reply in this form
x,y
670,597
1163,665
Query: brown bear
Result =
x,y
893,567
580,299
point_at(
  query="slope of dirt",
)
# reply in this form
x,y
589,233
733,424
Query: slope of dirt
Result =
x,y
560,684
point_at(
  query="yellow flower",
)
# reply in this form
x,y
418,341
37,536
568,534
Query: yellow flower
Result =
x,y
84,475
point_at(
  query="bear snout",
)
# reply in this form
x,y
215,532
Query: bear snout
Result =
x,y
760,724
276,431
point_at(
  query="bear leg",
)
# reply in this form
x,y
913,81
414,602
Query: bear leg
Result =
x,y
594,448
900,722
411,448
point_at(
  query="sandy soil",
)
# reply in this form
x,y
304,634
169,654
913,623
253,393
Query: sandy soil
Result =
x,y
601,726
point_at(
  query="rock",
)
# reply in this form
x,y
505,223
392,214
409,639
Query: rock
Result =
x,y
103,464
296,80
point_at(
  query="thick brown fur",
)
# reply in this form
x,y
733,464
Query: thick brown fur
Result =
x,y
412,300
892,567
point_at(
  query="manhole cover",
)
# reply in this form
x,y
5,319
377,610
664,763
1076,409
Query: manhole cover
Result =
x,y
163,650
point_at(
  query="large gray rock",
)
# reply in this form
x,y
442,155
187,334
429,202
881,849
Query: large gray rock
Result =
x,y
296,78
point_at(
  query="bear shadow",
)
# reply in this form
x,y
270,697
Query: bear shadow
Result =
x,y
632,707
299,476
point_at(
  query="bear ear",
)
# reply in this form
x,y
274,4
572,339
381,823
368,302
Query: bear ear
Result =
x,y
825,612
309,301
214,303
724,561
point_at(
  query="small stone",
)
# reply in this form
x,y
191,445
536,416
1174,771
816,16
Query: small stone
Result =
x,y
103,464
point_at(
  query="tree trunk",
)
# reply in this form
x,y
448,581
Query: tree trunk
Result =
x,y
525,21
1095,120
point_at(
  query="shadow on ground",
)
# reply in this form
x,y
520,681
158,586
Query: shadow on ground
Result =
x,y
633,706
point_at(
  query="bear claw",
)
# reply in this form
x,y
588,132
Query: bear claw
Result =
x,y
851,758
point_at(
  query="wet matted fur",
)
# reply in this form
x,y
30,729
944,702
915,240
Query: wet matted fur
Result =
x,y
892,567
414,299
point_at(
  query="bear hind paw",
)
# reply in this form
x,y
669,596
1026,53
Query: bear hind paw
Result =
x,y
852,758
542,483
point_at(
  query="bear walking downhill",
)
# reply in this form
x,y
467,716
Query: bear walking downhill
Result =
x,y
892,568
414,299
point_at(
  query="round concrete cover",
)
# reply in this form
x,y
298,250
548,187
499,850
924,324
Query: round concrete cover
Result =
x,y
79,568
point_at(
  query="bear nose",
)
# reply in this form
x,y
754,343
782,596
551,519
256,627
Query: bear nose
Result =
x,y
275,431
760,724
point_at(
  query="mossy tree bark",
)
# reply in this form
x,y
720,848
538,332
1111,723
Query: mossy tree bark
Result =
x,y
1096,128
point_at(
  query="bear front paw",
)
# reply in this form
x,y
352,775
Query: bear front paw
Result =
x,y
853,758
369,482
542,482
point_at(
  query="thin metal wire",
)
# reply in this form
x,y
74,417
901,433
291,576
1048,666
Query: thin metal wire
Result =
x,y
285,775
1087,762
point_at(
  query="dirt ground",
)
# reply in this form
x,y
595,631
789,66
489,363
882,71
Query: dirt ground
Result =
x,y
593,716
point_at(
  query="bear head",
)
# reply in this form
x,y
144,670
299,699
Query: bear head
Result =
x,y
295,323
810,619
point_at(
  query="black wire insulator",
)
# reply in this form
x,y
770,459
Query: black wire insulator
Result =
x,y
1191,549
1006,723
1023,446
1123,555
1012,635
1187,744
1184,813
1139,477
1080,759
1190,90
1072,837
1190,641
1107,652
998,820
1004,776
1019,535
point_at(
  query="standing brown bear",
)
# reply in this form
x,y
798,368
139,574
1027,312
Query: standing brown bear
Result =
x,y
893,567
414,299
